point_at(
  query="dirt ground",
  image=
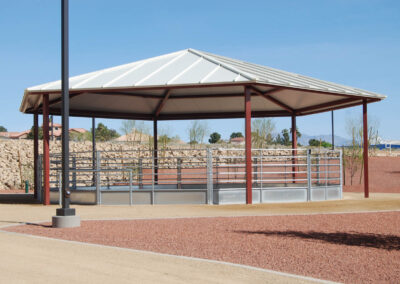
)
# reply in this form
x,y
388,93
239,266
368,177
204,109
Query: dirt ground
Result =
x,y
384,176
26,258
350,248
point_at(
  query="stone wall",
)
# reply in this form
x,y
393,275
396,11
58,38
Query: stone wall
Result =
x,y
16,156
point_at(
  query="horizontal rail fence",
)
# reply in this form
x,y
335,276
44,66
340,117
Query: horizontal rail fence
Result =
x,y
207,169
270,167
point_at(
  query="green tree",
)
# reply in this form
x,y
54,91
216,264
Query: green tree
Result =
x,y
319,143
236,134
298,133
30,134
278,140
80,137
3,129
214,138
285,137
103,133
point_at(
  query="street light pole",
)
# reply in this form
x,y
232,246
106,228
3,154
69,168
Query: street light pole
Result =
x,y
65,216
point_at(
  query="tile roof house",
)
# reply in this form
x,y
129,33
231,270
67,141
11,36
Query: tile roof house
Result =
x,y
237,140
56,127
15,135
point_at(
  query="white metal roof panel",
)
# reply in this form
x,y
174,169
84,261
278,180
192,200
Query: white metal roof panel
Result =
x,y
170,70
190,68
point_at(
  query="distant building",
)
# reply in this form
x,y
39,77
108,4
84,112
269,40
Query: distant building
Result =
x,y
237,140
77,130
54,129
15,135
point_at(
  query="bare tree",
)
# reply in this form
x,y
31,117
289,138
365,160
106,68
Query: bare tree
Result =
x,y
164,137
262,132
141,130
197,131
129,129
353,155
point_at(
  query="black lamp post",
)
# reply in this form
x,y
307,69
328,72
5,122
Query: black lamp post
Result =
x,y
65,210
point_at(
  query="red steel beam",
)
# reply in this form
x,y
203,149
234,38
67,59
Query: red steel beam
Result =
x,y
267,95
206,96
210,85
312,91
46,154
365,149
324,105
178,116
35,153
183,116
294,147
357,103
162,103
249,167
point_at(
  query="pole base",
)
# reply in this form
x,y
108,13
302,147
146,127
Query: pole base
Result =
x,y
65,211
66,221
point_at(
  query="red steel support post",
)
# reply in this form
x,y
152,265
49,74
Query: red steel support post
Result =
x,y
35,153
155,142
365,149
294,147
46,157
249,180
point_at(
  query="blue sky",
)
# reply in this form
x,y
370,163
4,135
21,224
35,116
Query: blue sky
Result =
x,y
356,43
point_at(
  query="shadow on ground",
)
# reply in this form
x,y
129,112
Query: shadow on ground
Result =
x,y
387,242
17,223
18,198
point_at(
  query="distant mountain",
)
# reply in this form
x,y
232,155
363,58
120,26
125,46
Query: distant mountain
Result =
x,y
339,141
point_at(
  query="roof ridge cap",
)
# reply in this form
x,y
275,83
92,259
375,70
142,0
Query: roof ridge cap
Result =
x,y
210,58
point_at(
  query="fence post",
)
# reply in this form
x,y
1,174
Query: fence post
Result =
x,y
341,173
130,187
152,179
318,162
40,178
98,178
60,188
210,190
94,159
179,172
308,174
140,174
261,176
255,170
74,172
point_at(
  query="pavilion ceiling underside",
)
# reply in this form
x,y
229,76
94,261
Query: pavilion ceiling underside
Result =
x,y
199,103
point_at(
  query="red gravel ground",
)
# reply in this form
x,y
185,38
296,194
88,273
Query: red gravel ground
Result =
x,y
384,176
352,248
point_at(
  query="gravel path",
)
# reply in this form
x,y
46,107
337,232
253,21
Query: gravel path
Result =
x,y
351,248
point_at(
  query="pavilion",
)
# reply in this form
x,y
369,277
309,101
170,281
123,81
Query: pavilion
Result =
x,y
192,84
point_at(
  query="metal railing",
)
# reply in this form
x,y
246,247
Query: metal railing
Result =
x,y
210,168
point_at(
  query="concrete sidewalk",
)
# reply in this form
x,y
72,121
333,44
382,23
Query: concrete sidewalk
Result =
x,y
26,258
